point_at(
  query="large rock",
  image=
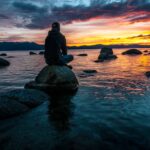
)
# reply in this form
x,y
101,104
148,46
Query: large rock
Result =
x,y
132,52
55,78
30,98
106,54
10,108
4,62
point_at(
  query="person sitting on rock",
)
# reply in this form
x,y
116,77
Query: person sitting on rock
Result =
x,y
55,47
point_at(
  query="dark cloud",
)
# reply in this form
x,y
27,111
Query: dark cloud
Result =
x,y
141,36
40,15
2,16
28,7
141,18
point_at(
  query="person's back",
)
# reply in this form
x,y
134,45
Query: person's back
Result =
x,y
55,46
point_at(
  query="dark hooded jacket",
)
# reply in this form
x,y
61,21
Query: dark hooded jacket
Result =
x,y
55,47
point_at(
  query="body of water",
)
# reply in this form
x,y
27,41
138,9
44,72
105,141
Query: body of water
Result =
x,y
111,109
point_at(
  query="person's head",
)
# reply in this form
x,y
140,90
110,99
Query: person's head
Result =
x,y
56,26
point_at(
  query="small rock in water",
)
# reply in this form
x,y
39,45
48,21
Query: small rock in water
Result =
x,y
3,54
132,52
82,54
147,74
4,62
32,53
146,51
90,71
41,53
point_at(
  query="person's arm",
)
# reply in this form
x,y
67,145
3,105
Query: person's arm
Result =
x,y
64,46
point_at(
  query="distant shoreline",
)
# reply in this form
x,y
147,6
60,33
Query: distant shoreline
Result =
x,y
28,46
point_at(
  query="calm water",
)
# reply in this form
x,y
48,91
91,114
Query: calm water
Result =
x,y
111,110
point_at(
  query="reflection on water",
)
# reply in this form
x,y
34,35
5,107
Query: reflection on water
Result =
x,y
111,110
60,111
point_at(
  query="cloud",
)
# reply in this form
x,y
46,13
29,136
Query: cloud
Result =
x,y
28,7
41,13
2,16
141,36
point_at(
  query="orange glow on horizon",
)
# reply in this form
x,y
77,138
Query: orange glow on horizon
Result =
x,y
106,31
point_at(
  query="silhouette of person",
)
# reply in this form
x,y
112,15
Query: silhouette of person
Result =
x,y
55,47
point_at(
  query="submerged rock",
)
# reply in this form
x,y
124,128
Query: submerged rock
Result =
x,y
147,74
19,101
41,53
106,54
30,98
90,71
4,62
84,54
54,78
32,53
10,108
3,54
132,52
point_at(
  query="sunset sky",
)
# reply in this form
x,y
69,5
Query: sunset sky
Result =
x,y
84,22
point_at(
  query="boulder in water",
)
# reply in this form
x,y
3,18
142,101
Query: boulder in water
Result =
x,y
55,78
106,54
132,52
32,53
4,62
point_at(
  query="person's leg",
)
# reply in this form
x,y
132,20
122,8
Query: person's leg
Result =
x,y
68,58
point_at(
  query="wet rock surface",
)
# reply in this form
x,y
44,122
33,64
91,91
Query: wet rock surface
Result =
x,y
10,108
15,102
59,78
28,97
